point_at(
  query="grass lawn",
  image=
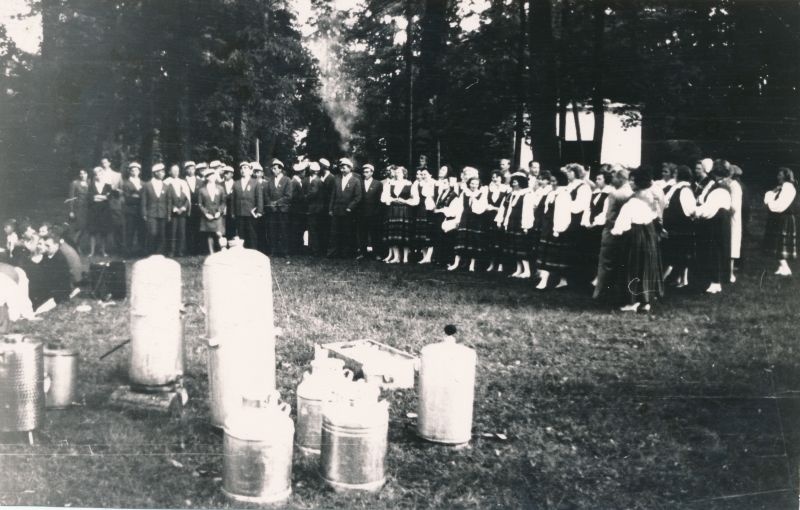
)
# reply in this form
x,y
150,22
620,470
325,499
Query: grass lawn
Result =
x,y
694,406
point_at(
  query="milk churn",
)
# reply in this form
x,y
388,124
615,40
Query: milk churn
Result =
x,y
61,366
237,289
355,428
258,443
22,384
317,387
446,391
156,354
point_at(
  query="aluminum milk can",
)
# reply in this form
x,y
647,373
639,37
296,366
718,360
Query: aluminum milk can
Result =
x,y
156,354
237,289
22,384
317,387
61,366
355,428
446,392
257,451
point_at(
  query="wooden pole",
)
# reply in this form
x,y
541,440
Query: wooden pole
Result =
x,y
258,150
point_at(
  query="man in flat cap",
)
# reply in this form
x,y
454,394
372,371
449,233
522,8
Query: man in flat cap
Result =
x,y
156,210
298,209
327,179
193,176
260,223
370,215
135,227
345,201
316,207
247,206
277,196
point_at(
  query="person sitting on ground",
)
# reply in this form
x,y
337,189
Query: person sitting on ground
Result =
x,y
11,240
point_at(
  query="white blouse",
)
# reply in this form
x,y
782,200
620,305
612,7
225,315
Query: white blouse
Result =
x,y
528,208
635,212
394,189
784,198
718,199
562,215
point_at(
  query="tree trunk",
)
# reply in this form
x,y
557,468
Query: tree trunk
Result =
x,y
598,99
238,125
576,118
519,123
562,125
542,89
408,54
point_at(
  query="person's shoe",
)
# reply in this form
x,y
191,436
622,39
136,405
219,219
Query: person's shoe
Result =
x,y
733,279
452,267
360,257
561,284
645,308
630,308
524,275
714,288
490,268
594,282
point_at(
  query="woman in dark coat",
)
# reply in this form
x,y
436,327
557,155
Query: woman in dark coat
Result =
x,y
79,206
99,213
211,202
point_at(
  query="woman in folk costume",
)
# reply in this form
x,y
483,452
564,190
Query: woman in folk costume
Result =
x,y
556,253
211,201
579,271
399,225
609,262
541,186
678,249
515,219
713,230
467,211
424,221
736,221
442,241
780,236
637,224
597,218
497,191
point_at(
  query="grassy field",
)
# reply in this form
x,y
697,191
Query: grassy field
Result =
x,y
693,406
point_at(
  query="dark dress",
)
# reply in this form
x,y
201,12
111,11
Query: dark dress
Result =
x,y
212,205
471,239
424,220
678,249
594,233
713,240
516,243
555,252
641,275
496,236
576,237
79,203
780,235
443,241
99,220
399,225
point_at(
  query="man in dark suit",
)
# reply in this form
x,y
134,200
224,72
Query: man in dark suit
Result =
x,y
277,195
317,208
370,215
248,205
345,200
155,210
327,179
190,171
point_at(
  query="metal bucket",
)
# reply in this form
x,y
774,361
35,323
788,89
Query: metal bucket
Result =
x,y
21,384
354,444
61,366
315,389
257,465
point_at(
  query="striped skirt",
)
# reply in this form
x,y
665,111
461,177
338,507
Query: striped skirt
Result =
x,y
780,236
398,229
641,277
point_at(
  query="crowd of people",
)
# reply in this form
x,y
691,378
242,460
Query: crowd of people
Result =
x,y
620,231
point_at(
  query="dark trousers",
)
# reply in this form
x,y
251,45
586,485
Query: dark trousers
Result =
x,y
297,227
370,233
261,234
278,233
135,234
246,230
230,227
315,233
157,236
324,232
342,237
193,232
177,236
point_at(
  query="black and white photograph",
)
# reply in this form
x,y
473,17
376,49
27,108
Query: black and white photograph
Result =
x,y
381,254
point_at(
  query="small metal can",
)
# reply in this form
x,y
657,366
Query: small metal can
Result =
x,y
61,366
21,384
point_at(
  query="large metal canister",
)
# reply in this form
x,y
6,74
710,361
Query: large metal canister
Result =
x,y
257,448
21,384
355,432
61,366
446,392
156,354
318,386
237,289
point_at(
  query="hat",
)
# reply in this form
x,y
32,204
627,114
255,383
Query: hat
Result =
x,y
158,166
245,163
226,169
256,166
314,166
207,171
345,162
214,164
367,166
134,164
299,167
202,166
521,178
324,163
276,162
187,164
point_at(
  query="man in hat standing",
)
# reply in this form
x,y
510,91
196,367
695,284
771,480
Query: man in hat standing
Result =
x,y
316,206
190,170
370,215
344,204
156,210
277,196
327,179
135,227
227,187
247,205
298,209
114,179
260,223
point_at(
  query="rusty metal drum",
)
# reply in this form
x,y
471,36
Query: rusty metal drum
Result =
x,y
257,448
354,443
22,384
61,366
156,354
